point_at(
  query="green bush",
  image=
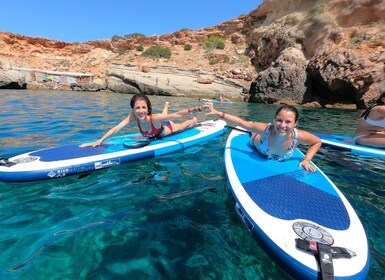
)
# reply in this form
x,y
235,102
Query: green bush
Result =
x,y
357,39
116,38
187,47
120,51
156,51
212,62
214,42
139,48
292,21
316,10
134,35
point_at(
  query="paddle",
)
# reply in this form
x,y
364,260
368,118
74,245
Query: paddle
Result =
x,y
239,129
336,159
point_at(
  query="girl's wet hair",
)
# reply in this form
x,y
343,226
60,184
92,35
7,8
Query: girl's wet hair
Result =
x,y
378,102
141,96
288,108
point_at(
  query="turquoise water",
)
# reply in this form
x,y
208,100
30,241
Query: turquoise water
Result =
x,y
169,217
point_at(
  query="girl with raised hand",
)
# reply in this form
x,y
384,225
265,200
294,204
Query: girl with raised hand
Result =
x,y
277,140
150,124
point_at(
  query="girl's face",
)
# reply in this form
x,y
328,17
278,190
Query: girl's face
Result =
x,y
284,122
140,109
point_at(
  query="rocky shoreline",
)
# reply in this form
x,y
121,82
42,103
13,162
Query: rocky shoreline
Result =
x,y
168,81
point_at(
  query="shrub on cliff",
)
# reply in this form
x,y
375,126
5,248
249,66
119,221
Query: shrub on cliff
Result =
x,y
157,52
187,47
292,21
134,35
116,38
139,48
214,42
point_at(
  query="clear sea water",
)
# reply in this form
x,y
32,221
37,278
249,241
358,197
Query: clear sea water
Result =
x,y
169,217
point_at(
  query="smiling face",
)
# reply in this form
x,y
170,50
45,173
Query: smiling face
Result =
x,y
141,97
284,122
140,109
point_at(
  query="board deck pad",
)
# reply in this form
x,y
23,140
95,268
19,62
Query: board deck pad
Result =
x,y
279,195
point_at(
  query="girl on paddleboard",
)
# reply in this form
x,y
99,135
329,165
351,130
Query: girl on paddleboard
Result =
x,y
150,124
371,128
277,140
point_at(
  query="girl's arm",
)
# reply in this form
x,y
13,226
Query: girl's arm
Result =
x,y
314,143
176,115
113,130
257,127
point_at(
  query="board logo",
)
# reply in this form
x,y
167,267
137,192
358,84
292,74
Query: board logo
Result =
x,y
106,163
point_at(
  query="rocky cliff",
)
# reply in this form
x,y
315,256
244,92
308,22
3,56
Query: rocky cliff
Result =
x,y
319,52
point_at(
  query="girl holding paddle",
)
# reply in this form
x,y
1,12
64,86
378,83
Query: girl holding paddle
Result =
x,y
279,139
371,128
150,124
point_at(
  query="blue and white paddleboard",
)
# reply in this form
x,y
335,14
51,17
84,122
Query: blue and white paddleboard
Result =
x,y
348,144
280,202
70,160
216,101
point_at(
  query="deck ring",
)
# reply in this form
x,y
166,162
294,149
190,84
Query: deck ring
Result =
x,y
312,232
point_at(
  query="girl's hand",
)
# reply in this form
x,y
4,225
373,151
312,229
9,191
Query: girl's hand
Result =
x,y
306,164
210,106
94,144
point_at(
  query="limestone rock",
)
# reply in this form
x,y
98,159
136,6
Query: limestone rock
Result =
x,y
12,79
286,78
205,79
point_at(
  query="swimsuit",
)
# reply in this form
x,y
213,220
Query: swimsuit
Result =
x,y
263,145
380,123
155,132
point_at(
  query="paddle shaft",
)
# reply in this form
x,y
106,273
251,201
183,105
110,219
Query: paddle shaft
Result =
x,y
239,129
